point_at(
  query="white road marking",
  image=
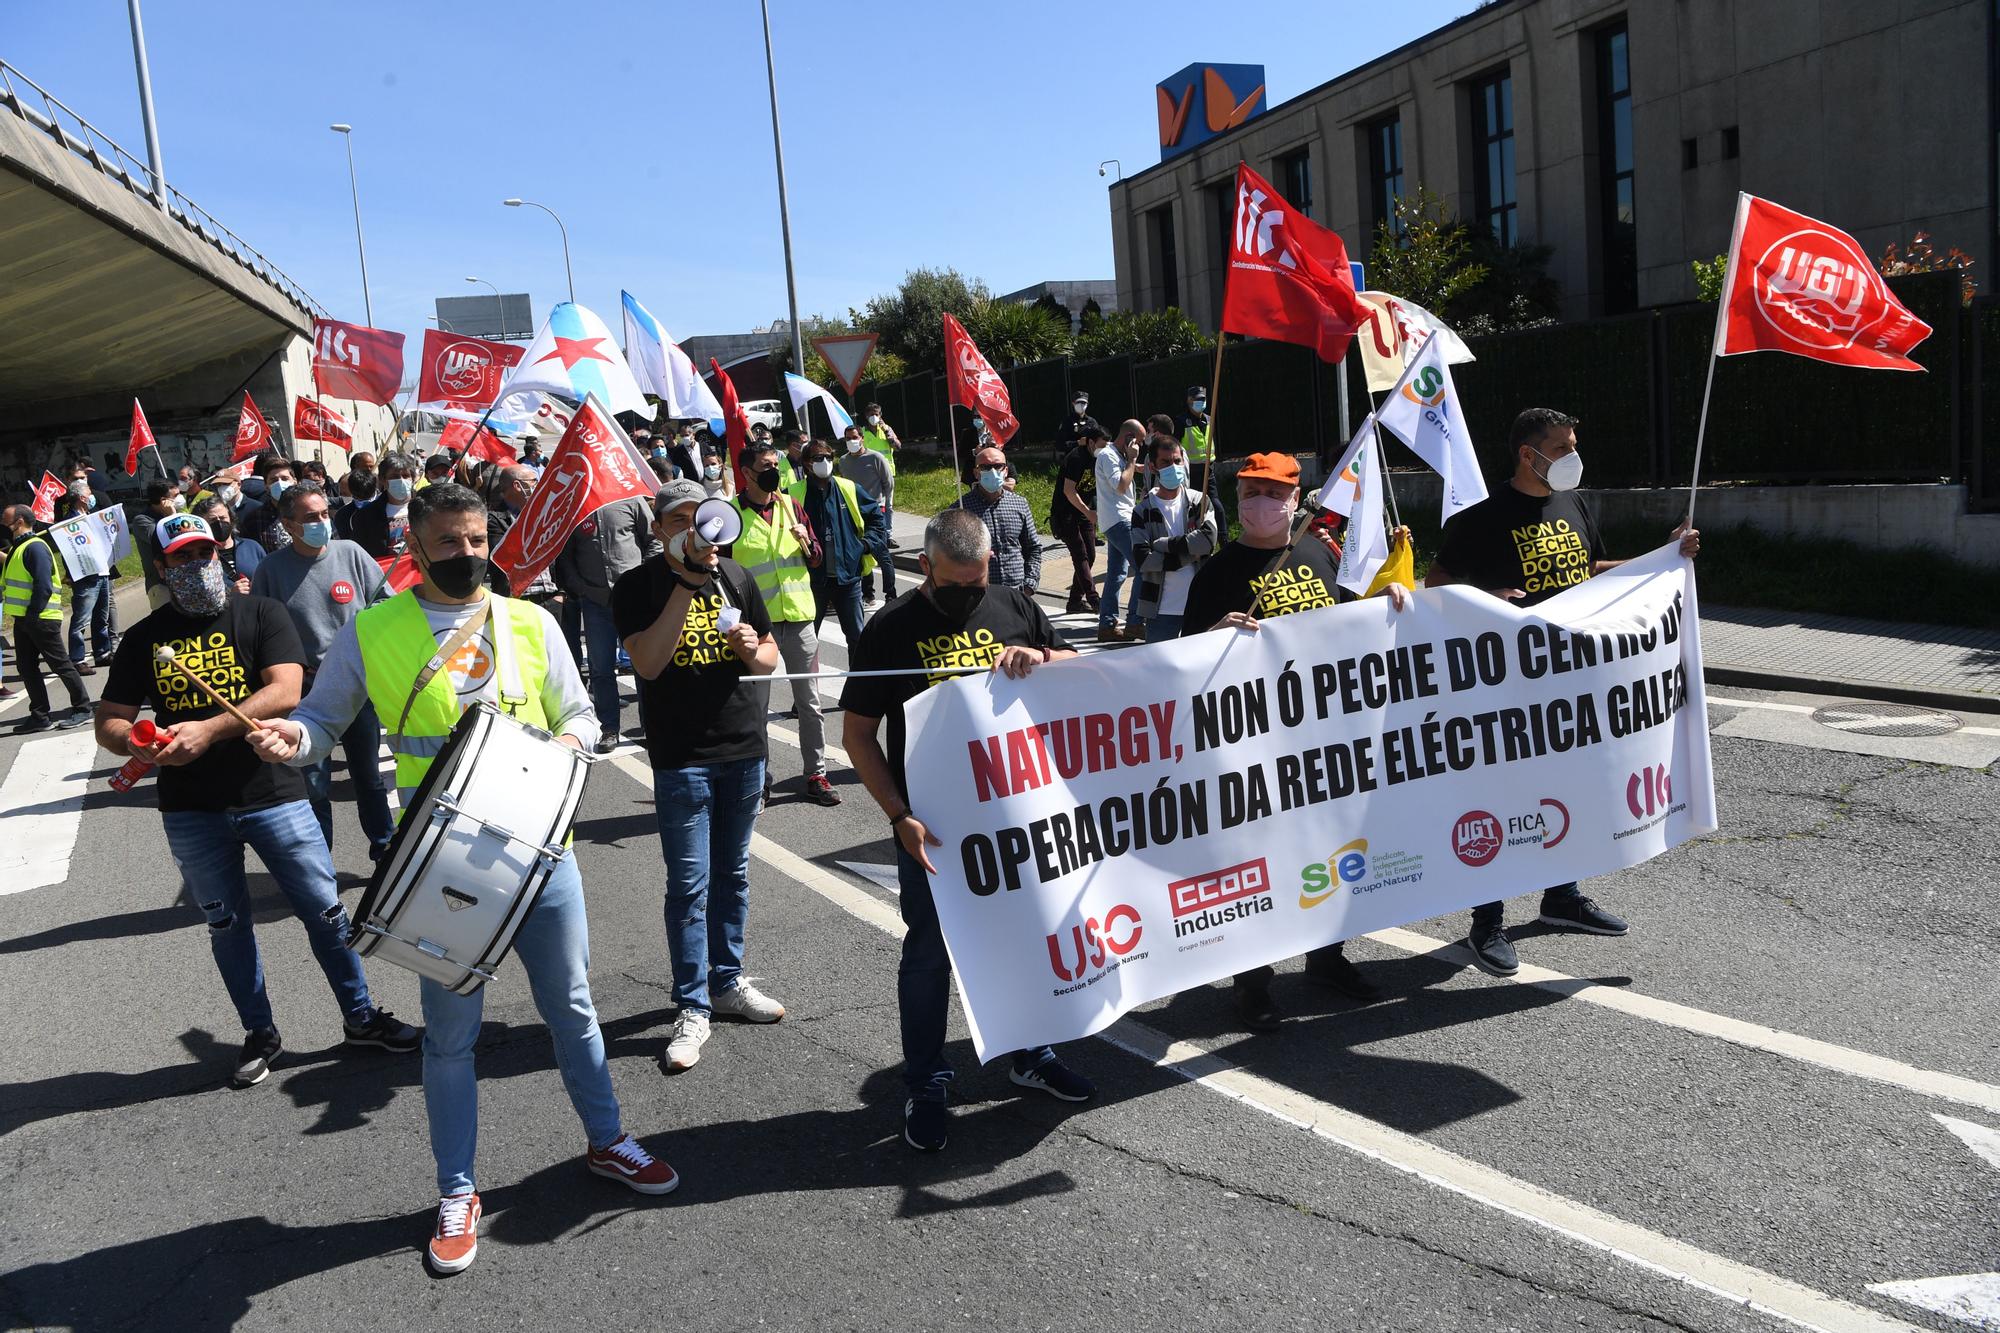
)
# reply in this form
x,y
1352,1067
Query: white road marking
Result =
x,y
1676,1260
1790,1045
1772,706
1972,1298
9,705
885,876
1968,747
1983,1141
51,776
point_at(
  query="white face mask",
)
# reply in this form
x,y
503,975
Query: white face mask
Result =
x,y
874,421
1080,407
854,446
1565,472
822,468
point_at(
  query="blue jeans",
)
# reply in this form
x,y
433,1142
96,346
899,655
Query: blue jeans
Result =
x,y
361,745
1161,628
923,989
90,608
572,626
705,814
600,635
844,600
208,846
887,568
554,948
1117,558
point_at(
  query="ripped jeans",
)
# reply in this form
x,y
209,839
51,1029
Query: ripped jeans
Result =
x,y
208,846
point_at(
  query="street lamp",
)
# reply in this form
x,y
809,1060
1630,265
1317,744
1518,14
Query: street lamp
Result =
x,y
496,296
567,272
346,132
784,209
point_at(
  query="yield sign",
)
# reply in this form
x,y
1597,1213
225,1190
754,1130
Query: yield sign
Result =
x,y
846,354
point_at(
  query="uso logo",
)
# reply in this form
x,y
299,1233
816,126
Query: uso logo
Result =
x,y
1475,838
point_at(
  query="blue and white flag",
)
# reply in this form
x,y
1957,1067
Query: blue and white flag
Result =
x,y
662,369
573,357
804,391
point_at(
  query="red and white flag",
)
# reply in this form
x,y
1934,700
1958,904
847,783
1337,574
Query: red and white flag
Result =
x,y
974,383
1288,277
47,492
595,464
142,438
1797,285
400,572
465,438
735,421
355,361
463,372
253,433
314,420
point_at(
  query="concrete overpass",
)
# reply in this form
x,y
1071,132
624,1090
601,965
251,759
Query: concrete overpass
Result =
x,y
108,290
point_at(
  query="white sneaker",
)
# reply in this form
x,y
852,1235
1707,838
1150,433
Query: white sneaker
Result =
x,y
690,1034
746,1002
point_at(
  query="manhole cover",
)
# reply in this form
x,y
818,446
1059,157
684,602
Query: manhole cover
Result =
x,y
1884,719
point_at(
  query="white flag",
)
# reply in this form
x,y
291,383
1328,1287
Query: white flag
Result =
x,y
1425,415
94,543
1394,331
1337,494
804,391
573,357
1365,545
663,369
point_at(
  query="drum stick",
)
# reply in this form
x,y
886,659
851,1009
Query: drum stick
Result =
x,y
165,653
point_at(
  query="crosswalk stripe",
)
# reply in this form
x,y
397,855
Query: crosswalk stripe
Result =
x,y
42,799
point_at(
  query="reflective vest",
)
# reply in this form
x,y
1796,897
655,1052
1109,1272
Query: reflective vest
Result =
x,y
397,643
1194,442
774,557
20,585
879,442
798,493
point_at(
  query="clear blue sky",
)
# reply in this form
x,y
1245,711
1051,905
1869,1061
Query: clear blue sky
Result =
x,y
933,133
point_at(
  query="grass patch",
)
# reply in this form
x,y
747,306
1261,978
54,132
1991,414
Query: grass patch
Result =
x,y
926,485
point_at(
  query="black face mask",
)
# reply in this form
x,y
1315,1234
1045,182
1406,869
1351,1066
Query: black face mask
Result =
x,y
458,575
767,481
955,602
222,528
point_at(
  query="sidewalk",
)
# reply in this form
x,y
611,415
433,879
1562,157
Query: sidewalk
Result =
x,y
1750,646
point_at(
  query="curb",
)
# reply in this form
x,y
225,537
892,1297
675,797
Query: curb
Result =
x,y
1950,700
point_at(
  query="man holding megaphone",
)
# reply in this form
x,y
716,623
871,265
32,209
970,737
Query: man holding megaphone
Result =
x,y
696,629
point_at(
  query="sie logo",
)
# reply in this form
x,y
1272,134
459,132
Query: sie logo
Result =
x,y
1212,89
1347,866
1426,387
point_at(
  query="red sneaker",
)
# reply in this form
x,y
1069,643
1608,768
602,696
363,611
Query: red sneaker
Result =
x,y
455,1240
627,1163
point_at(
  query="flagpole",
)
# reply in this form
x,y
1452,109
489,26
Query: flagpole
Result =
x,y
1700,433
1715,343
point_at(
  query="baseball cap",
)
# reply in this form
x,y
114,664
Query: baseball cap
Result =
x,y
677,493
177,530
1271,467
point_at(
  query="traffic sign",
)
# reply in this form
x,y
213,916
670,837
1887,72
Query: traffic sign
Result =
x,y
846,355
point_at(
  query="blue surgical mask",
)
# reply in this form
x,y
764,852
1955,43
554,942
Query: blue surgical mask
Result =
x,y
317,533
659,451
991,479
1173,476
397,489
277,489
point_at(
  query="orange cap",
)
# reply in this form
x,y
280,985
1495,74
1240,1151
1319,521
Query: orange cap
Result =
x,y
1271,467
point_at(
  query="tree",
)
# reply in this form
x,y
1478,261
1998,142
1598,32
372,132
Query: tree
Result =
x,y
910,320
883,365
1013,334
1092,312
1150,335
1053,307
1462,275
1708,277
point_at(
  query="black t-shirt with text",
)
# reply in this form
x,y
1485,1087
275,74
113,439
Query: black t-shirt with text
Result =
x,y
1253,578
912,632
231,651
1080,466
1540,544
699,710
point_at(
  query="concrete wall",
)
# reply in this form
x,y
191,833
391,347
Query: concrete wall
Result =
x,y
1872,114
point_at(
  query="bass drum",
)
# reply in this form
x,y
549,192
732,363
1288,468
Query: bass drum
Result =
x,y
475,847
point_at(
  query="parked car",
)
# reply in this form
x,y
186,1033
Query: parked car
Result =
x,y
767,410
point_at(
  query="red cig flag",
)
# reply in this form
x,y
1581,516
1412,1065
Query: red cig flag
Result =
x,y
1288,276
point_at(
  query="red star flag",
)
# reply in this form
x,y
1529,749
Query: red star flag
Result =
x,y
142,438
975,384
595,464
575,357
253,433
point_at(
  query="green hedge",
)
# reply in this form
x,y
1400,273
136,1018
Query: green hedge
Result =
x,y
1595,372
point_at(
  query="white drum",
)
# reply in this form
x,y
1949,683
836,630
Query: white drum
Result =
x,y
476,845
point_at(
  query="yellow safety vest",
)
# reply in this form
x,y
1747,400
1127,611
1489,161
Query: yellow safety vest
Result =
x,y
1194,442
20,585
397,643
774,557
879,442
797,491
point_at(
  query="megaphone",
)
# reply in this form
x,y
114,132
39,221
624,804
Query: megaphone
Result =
x,y
717,522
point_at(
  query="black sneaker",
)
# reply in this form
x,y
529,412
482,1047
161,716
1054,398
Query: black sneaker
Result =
x,y
1581,913
607,742
260,1048
40,722
1337,972
1492,952
925,1124
1255,1007
1056,1079
384,1029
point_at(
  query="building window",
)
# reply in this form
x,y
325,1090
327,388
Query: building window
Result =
x,y
1618,237
1166,254
1295,181
1222,208
1690,155
1732,143
1385,172
1493,155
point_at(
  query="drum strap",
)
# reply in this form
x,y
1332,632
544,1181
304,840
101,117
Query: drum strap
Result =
x,y
466,634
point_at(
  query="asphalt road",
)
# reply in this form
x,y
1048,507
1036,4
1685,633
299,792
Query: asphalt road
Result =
x,y
1606,1147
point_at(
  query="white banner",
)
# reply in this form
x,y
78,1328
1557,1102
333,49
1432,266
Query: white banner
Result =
x,y
93,543
1118,828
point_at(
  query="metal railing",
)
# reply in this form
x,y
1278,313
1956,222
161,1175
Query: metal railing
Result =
x,y
65,126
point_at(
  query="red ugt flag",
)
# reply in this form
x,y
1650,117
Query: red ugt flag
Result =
x,y
1797,285
142,438
973,382
47,492
316,421
595,464
459,437
1288,277
465,373
355,361
736,422
253,436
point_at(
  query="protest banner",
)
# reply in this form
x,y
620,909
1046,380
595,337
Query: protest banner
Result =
x,y
1118,829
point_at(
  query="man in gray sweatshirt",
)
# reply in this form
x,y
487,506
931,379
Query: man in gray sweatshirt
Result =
x,y
325,582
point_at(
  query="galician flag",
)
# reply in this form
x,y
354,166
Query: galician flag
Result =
x,y
575,357
804,391
662,369
1424,413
